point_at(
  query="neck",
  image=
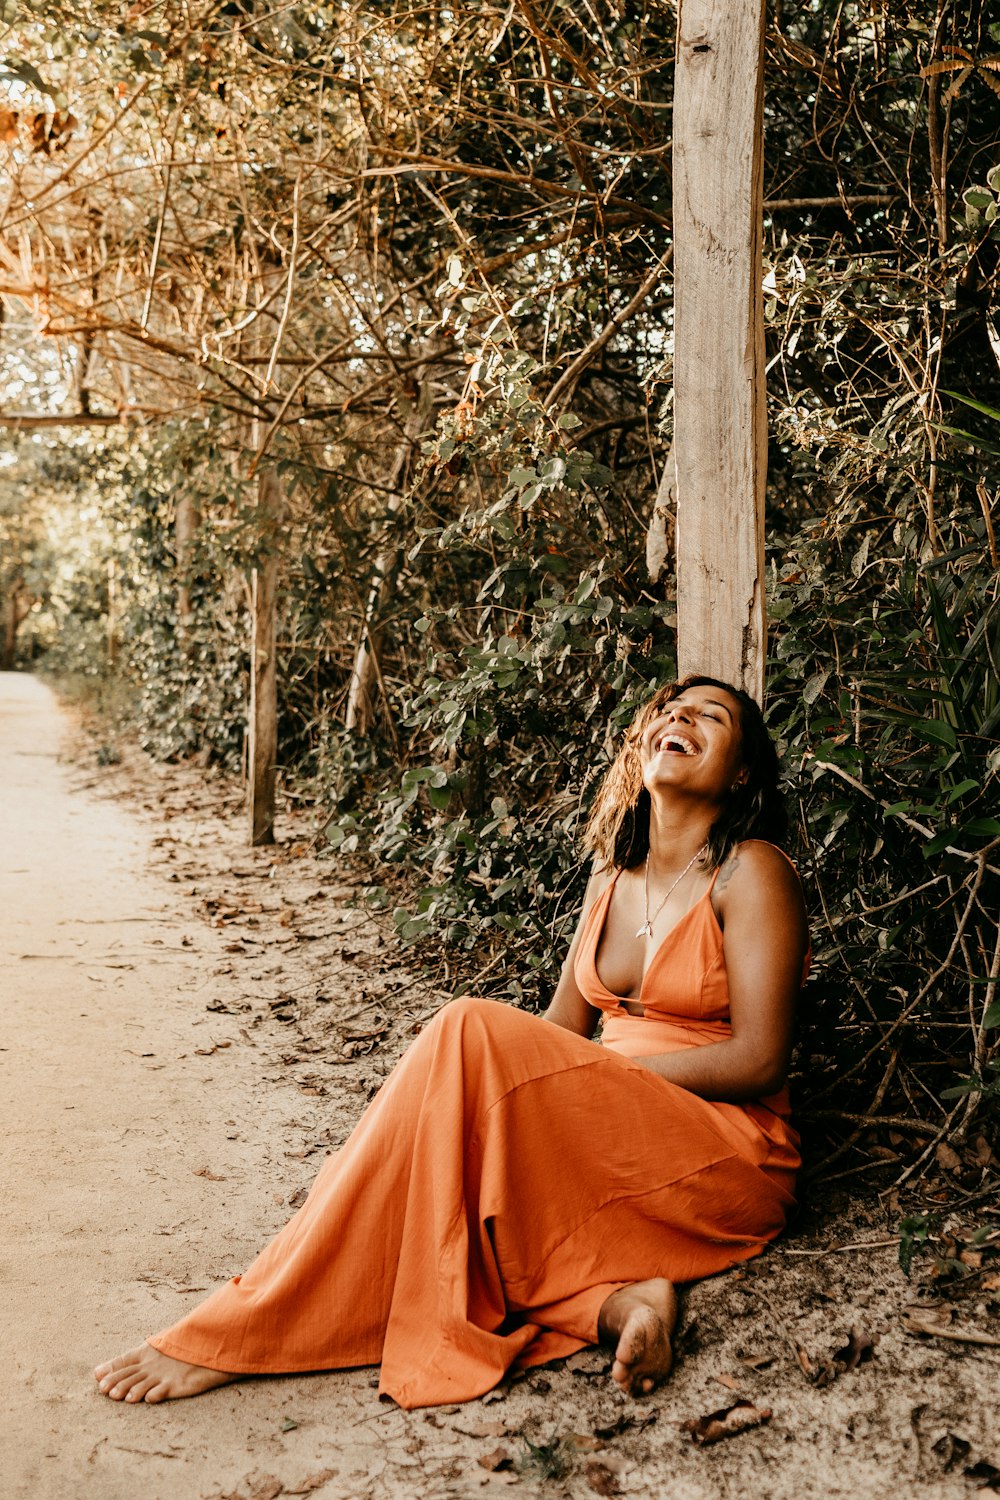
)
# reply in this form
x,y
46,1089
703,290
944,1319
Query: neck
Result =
x,y
676,833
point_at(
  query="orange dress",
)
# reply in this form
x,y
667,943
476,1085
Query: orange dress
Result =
x,y
508,1176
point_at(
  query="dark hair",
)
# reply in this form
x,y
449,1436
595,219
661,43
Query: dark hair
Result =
x,y
618,827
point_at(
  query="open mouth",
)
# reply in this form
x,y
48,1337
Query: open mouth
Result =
x,y
676,744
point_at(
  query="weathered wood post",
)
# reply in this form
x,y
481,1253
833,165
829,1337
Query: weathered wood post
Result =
x,y
263,715
187,520
720,419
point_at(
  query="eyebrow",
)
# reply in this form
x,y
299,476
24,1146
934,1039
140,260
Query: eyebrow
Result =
x,y
714,702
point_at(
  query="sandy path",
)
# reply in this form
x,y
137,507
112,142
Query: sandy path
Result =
x,y
107,1115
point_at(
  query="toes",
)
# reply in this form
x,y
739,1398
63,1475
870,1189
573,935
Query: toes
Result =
x,y
118,1382
139,1391
158,1391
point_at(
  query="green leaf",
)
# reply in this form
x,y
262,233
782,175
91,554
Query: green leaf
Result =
x,y
938,731
977,197
982,828
814,687
988,411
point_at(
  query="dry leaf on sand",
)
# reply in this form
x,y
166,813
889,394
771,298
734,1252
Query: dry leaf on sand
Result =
x,y
313,1482
495,1461
725,1423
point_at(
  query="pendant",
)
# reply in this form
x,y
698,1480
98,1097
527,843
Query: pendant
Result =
x,y
646,930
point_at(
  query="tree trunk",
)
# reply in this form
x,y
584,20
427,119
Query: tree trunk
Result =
x,y
720,425
263,725
16,609
662,529
187,519
360,713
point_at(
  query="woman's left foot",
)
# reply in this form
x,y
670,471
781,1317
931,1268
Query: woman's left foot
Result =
x,y
144,1374
637,1322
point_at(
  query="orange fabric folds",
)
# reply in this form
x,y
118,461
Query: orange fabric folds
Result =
x,y
508,1176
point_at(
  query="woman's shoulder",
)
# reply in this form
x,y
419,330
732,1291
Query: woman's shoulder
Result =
x,y
755,864
601,877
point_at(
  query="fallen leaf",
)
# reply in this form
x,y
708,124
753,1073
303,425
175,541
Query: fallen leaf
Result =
x,y
756,1361
927,1317
991,1283
312,1483
727,1422
973,1258
982,1150
727,1381
948,1158
298,1198
858,1350
495,1461
207,1172
584,1442
600,1478
266,1487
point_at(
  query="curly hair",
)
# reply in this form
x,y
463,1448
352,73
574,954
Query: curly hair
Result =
x,y
617,831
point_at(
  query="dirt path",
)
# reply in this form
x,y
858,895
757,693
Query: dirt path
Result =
x,y
113,1118
187,1027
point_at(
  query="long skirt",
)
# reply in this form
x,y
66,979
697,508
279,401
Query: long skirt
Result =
x,y
507,1178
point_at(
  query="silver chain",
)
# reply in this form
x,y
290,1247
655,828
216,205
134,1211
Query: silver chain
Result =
x,y
646,930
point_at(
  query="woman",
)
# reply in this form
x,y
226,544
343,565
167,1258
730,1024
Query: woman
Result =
x,y
516,1191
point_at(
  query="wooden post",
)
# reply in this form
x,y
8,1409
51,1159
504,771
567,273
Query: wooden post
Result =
x,y
720,419
187,519
360,715
263,725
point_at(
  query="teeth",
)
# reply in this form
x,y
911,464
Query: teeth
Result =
x,y
678,742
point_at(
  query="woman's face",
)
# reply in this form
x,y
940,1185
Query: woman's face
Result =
x,y
694,744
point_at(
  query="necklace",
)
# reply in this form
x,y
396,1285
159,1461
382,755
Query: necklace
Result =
x,y
646,930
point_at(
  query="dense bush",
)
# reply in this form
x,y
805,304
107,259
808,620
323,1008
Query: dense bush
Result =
x,y
441,312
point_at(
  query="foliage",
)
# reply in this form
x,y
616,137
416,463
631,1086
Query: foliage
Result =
x,y
416,264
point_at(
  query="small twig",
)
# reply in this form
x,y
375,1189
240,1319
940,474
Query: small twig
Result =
x,y
914,1324
608,332
844,1249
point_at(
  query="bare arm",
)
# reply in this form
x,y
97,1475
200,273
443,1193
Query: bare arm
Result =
x,y
568,1008
764,943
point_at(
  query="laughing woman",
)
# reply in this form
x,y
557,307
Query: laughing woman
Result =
x,y
516,1190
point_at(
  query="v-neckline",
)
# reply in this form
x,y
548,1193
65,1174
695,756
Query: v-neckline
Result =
x,y
606,898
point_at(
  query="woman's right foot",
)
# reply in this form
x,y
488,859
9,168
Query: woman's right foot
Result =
x,y
144,1374
637,1322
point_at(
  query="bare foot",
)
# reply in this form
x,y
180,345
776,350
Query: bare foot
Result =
x,y
636,1322
144,1374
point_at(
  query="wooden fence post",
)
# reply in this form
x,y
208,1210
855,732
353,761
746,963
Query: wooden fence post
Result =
x,y
720,419
263,716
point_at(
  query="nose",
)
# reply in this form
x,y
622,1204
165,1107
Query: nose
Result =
x,y
677,712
